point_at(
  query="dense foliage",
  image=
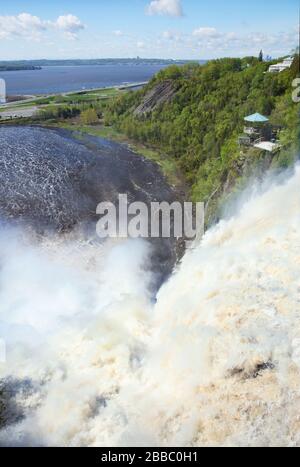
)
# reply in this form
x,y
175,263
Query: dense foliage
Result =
x,y
200,126
58,112
89,116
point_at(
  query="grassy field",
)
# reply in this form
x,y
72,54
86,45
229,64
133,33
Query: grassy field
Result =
x,y
80,97
17,106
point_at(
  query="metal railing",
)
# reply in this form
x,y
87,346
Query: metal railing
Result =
x,y
250,130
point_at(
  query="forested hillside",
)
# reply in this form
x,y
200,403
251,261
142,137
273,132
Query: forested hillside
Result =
x,y
200,118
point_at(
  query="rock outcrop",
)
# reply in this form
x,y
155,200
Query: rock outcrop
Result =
x,y
160,94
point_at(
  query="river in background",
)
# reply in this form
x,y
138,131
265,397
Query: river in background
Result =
x,y
57,79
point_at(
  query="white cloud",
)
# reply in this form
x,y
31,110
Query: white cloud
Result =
x,y
169,35
118,33
31,27
206,33
69,23
22,25
165,7
172,36
70,36
224,43
140,45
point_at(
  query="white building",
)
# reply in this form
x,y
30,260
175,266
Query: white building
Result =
x,y
279,67
2,91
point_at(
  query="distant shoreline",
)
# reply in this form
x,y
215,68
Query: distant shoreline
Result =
x,y
19,68
37,64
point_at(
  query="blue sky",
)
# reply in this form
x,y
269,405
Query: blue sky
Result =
x,y
186,29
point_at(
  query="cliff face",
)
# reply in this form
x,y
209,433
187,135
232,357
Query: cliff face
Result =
x,y
161,93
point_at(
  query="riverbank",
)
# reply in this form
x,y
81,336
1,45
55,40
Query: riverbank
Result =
x,y
167,165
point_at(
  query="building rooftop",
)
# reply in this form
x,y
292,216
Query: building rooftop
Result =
x,y
278,67
256,118
267,146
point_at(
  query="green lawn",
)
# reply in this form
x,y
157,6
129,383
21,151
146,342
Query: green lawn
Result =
x,y
78,97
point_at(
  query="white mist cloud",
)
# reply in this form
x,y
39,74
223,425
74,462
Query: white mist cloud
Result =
x,y
215,361
62,291
165,7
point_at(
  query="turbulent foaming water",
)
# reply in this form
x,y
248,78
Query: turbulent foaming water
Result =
x,y
215,361
50,181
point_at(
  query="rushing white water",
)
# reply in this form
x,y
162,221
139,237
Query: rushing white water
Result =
x,y
216,361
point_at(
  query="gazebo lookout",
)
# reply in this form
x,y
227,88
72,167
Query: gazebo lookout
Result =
x,y
256,124
259,133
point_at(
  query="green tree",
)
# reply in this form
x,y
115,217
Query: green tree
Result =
x,y
89,116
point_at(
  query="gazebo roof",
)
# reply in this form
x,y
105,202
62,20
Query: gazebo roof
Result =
x,y
256,118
